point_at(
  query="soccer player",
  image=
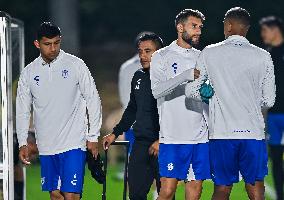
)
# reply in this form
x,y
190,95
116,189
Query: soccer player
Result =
x,y
242,77
60,87
183,131
272,36
142,113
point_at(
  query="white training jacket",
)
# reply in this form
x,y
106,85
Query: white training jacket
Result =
x,y
242,76
182,120
60,92
126,72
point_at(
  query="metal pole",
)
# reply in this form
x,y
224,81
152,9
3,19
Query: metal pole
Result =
x,y
6,103
126,172
126,144
18,28
105,170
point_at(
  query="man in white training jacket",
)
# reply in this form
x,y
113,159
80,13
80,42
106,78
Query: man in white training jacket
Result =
x,y
242,76
60,87
183,151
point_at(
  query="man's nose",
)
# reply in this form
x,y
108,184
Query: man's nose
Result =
x,y
198,31
143,55
53,47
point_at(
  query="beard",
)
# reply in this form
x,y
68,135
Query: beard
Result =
x,y
189,39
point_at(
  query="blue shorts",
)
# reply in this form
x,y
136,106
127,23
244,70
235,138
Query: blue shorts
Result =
x,y
275,127
180,160
229,158
129,136
64,171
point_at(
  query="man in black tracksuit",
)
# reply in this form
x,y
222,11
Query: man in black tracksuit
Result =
x,y
272,33
142,114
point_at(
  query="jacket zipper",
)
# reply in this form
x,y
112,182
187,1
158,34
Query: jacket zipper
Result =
x,y
49,73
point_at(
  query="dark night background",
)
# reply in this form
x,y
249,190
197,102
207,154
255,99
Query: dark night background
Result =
x,y
102,33
105,29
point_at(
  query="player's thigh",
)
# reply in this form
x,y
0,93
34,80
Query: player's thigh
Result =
x,y
276,153
72,171
253,160
155,170
174,160
223,156
50,172
140,173
275,126
200,163
139,154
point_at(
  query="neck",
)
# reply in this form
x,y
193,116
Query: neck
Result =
x,y
237,33
182,43
46,60
146,69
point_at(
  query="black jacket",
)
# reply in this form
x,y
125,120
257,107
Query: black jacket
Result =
x,y
141,111
277,54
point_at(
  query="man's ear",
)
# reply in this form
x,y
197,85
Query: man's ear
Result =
x,y
229,27
36,43
180,28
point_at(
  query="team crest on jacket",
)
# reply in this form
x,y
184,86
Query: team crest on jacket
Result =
x,y
36,78
137,87
64,73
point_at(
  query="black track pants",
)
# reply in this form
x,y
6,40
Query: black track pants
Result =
x,y
276,154
142,170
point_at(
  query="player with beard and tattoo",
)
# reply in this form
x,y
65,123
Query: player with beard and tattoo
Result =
x,y
183,151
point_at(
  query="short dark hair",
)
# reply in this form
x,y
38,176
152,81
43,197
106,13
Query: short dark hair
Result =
x,y
141,34
240,14
272,21
184,14
153,37
49,30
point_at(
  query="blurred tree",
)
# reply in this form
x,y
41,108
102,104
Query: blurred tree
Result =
x,y
32,13
108,28
105,21
64,13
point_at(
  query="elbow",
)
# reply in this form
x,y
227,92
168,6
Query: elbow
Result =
x,y
188,91
156,95
191,93
268,103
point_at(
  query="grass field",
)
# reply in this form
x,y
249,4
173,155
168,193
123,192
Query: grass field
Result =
x,y
92,190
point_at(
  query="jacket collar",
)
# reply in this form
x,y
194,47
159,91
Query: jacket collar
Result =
x,y
60,55
179,49
236,38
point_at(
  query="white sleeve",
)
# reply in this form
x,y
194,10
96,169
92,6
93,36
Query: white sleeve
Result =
x,y
159,83
90,94
122,84
268,85
23,108
192,88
